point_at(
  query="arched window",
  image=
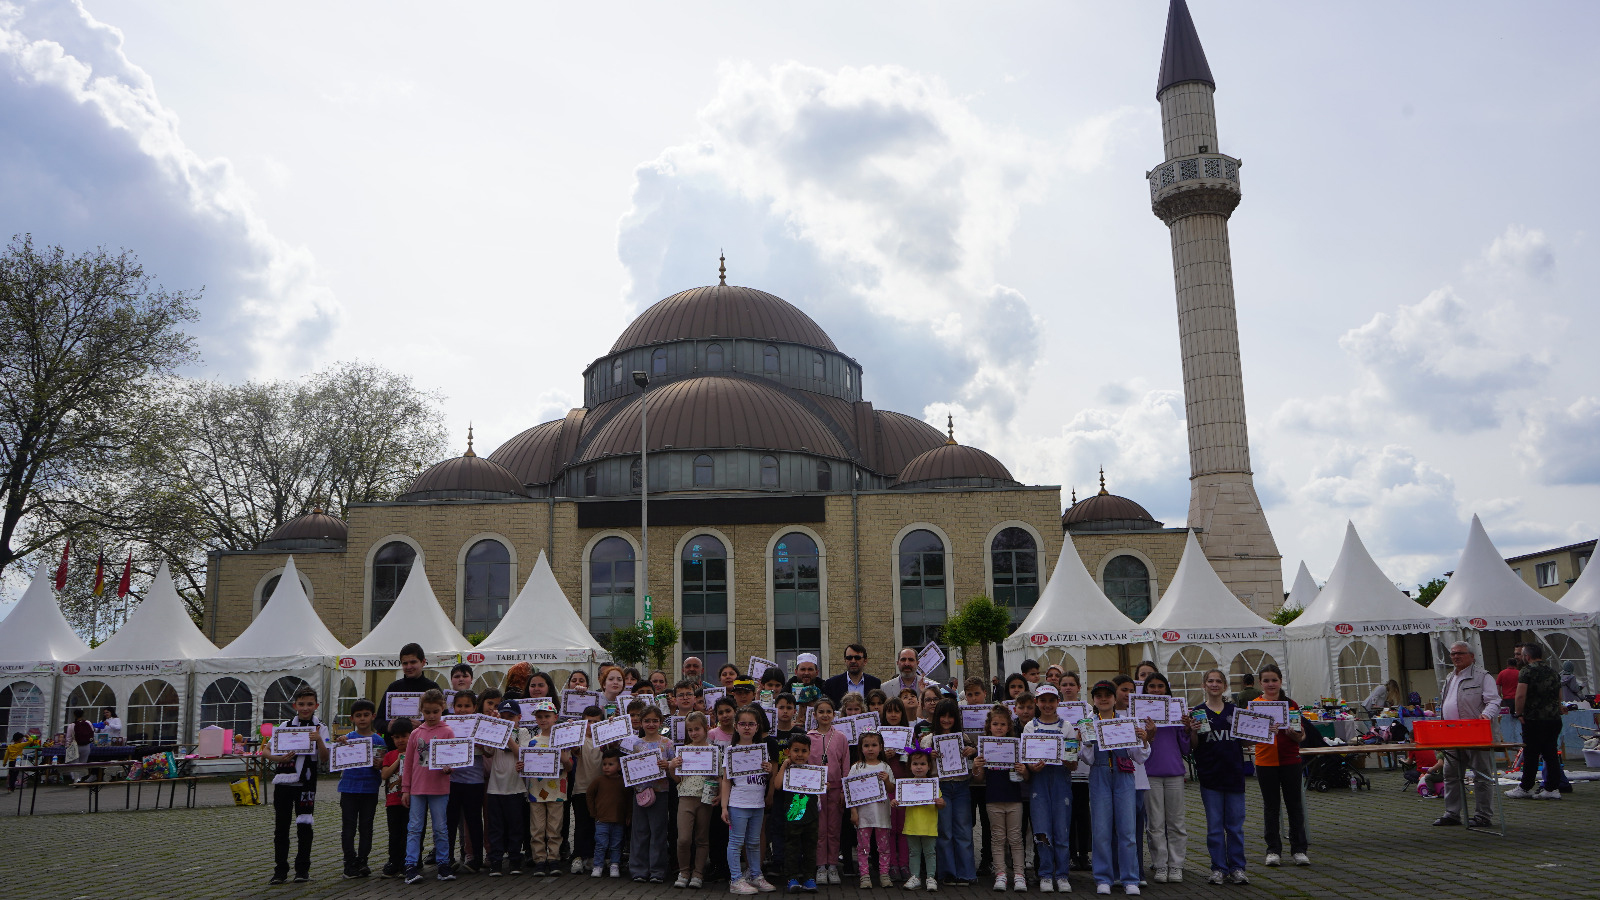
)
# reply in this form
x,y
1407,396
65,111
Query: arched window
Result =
x,y
152,714
658,362
347,699
796,599
225,703
769,471
1015,561
769,359
1186,672
1360,671
616,371
590,482
486,587
635,477
714,358
390,568
611,578
1127,583
1249,661
1563,649
91,697
272,585
703,571
922,593
824,479
819,369
22,708
847,378
488,680
703,473
277,705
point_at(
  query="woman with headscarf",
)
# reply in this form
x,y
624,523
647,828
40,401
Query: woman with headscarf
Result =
x,y
1572,688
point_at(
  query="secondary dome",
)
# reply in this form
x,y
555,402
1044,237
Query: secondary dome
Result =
x,y
900,438
716,411
954,465
1107,512
531,455
467,477
313,531
723,311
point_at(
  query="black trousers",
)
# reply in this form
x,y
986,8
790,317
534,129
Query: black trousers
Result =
x,y
1282,782
1539,740
399,819
505,817
465,816
1080,839
284,799
980,813
355,827
582,828
800,856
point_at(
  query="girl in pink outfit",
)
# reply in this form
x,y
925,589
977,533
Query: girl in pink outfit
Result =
x,y
831,750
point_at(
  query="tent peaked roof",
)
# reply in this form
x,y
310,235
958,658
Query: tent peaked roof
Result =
x,y
35,631
1197,598
541,618
415,616
1305,589
286,626
1358,591
160,628
1071,602
1483,585
1583,596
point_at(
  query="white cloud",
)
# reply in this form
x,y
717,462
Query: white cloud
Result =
x,y
1562,446
102,162
1522,251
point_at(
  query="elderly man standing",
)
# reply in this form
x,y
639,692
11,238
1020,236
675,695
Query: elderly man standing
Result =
x,y
854,679
909,677
695,670
1469,693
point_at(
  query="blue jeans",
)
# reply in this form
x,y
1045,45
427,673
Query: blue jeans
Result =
x,y
1112,809
1224,829
744,842
425,806
955,831
608,843
1051,812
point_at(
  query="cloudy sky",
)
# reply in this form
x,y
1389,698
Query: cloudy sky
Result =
x,y
484,199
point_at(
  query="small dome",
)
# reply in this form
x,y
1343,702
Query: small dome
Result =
x,y
316,530
709,412
723,311
954,465
1106,511
469,477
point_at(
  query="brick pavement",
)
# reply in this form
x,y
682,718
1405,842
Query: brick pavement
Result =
x,y
1371,845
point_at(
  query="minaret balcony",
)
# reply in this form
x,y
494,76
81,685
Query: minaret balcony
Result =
x,y
1188,185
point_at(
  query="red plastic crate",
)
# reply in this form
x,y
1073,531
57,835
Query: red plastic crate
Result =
x,y
1452,732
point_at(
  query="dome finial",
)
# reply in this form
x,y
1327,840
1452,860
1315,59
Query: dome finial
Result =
x,y
1103,490
950,428
722,270
1074,495
469,441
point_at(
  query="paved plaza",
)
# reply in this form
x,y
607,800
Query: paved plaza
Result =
x,y
1377,844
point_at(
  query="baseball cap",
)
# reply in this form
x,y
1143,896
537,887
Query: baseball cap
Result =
x,y
1046,689
1106,686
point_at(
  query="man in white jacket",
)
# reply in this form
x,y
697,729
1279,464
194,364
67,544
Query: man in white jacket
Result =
x,y
1469,693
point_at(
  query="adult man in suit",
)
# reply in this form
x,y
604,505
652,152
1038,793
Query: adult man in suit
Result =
x,y
854,678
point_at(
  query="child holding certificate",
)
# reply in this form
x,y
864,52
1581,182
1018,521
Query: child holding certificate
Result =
x,y
955,817
922,824
1169,839
744,805
1003,785
547,799
425,791
1111,794
505,798
694,810
294,789
358,793
1052,802
831,750
1219,763
894,714
873,820
465,811
799,812
611,806
647,860
395,811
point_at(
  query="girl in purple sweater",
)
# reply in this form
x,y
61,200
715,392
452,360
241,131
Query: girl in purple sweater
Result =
x,y
1169,839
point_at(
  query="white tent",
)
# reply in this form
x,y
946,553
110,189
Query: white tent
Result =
x,y
415,617
1341,645
540,628
34,639
251,679
145,665
1200,625
1305,589
1485,595
1584,597
1071,615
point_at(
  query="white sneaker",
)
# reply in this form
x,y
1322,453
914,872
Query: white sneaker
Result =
x,y
616,870
833,875
1174,876
1019,884
682,882
932,885
1547,795
1300,859
1517,793
1238,877
595,873
822,874
696,883
1273,859
1102,889
914,883
1130,889
1159,876
1216,877
1046,886
1000,882
579,864
1063,886
761,884
740,886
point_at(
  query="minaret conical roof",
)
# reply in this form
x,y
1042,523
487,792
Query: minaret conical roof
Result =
x,y
1182,57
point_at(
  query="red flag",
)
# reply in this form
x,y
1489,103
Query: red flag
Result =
x,y
100,576
126,584
61,570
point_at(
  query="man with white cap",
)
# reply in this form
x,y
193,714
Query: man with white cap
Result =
x,y
805,676
1469,693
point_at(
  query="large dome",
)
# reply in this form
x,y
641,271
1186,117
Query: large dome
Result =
x,y
1106,511
723,311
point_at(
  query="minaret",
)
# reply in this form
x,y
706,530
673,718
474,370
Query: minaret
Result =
x,y
1195,191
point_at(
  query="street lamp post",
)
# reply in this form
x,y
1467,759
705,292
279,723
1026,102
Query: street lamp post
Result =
x,y
642,379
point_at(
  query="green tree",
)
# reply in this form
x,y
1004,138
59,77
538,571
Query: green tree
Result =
x,y
1426,593
979,623
629,645
1283,615
663,638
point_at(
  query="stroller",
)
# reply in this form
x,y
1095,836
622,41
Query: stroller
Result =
x,y
1325,773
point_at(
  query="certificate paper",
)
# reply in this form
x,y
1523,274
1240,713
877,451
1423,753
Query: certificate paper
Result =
x,y
356,755
1116,734
805,779
574,702
948,747
998,752
975,716
404,705
758,667
541,762
705,760
612,730
1254,726
678,725
641,768
847,725
859,790
1073,711
1041,748
444,752
492,732
568,734
462,726
1277,709
1155,708
916,791
746,759
930,658
293,740
713,694
895,737
866,723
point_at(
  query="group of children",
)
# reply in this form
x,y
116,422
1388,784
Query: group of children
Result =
x,y
1086,809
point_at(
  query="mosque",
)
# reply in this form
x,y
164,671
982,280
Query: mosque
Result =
x,y
785,512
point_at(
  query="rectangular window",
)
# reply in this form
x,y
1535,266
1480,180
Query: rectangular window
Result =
x,y
1583,563
1545,573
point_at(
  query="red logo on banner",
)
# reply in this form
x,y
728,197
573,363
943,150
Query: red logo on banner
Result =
x,y
1039,640
1171,636
70,669
1344,628
475,658
1478,623
346,662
